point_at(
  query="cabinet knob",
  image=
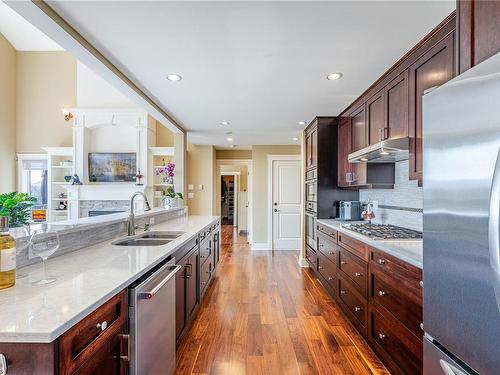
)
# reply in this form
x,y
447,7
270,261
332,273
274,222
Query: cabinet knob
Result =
x,y
343,262
343,292
330,278
421,283
358,309
357,274
102,326
381,261
330,252
381,336
321,268
203,283
3,364
381,293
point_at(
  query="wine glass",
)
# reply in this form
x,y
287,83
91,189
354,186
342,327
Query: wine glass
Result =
x,y
44,244
20,247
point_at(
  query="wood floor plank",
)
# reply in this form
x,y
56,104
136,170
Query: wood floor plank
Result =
x,y
263,314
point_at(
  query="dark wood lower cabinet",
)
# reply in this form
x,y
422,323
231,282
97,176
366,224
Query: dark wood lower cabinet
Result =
x,y
380,294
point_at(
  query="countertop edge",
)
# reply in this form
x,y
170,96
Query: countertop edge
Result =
x,y
375,244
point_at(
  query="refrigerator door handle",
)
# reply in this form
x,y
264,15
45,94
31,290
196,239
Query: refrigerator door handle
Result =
x,y
494,228
449,369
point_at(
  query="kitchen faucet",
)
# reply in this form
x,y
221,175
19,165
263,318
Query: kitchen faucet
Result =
x,y
131,216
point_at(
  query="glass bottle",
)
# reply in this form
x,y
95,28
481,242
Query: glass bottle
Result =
x,y
7,255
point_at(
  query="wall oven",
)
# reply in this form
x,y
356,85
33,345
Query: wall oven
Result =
x,y
310,229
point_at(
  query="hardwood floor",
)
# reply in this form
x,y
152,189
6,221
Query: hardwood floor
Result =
x,y
263,314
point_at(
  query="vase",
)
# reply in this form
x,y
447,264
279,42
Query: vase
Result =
x,y
168,180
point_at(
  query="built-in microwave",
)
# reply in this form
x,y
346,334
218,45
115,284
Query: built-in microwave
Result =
x,y
310,230
311,191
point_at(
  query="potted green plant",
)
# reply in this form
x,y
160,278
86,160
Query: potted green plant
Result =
x,y
172,199
17,207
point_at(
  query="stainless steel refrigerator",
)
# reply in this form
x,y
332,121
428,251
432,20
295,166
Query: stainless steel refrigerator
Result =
x,y
461,128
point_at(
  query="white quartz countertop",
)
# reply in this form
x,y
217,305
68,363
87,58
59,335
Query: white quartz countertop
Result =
x,y
410,251
86,279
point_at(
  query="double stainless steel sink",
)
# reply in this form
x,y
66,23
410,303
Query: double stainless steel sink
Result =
x,y
153,238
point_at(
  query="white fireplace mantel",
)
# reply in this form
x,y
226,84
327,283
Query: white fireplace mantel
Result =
x,y
101,192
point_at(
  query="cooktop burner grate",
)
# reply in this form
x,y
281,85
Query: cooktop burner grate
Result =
x,y
384,231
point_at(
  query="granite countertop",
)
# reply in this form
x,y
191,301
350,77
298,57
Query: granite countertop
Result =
x,y
410,251
86,279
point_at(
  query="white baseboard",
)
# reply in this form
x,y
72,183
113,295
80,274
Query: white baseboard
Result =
x,y
303,262
261,246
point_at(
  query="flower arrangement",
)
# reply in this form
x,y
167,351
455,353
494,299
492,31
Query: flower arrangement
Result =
x,y
167,172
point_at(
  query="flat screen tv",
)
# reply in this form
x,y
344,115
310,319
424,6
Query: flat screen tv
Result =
x,y
112,167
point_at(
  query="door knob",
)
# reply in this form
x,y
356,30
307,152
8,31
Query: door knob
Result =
x,y
275,210
275,203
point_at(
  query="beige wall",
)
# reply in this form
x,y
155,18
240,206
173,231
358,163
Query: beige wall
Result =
x,y
234,154
7,116
200,170
164,137
45,83
260,186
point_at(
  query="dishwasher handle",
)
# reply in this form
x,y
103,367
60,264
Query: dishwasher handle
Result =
x,y
151,293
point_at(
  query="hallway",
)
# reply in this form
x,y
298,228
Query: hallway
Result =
x,y
265,315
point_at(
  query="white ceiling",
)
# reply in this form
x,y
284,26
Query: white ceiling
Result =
x,y
259,65
21,34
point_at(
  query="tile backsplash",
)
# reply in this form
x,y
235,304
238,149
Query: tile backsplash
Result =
x,y
400,206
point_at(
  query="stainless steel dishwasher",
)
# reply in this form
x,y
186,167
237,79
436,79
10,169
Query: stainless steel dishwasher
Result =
x,y
152,322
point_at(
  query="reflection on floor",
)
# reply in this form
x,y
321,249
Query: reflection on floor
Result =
x,y
265,315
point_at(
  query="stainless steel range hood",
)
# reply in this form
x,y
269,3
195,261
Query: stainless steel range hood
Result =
x,y
387,151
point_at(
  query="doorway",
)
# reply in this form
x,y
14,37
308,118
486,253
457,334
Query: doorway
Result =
x,y
285,206
229,199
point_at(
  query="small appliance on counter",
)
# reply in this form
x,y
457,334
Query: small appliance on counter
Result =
x,y
350,210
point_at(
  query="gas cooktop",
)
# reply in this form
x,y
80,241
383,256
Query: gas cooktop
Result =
x,y
384,232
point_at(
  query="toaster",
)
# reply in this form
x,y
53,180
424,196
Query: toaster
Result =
x,y
350,210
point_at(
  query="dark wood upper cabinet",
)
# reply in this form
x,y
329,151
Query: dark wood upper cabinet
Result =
x,y
479,31
358,128
311,147
433,68
396,107
344,148
376,118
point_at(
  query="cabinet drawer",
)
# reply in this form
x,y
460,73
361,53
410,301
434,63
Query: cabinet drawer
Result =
x,y
400,297
327,269
312,258
396,267
400,348
355,269
328,248
332,233
206,250
354,305
354,246
80,343
312,174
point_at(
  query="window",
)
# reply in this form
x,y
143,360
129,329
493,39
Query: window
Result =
x,y
33,177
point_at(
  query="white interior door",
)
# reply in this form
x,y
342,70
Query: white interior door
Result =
x,y
286,204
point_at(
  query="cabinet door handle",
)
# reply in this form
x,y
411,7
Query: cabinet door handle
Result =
x,y
102,326
358,309
331,252
381,293
381,261
203,283
379,135
343,292
330,278
358,274
381,336
321,268
342,262
189,270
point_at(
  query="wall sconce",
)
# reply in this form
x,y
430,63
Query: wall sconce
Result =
x,y
67,115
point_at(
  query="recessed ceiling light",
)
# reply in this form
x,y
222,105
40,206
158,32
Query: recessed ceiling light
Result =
x,y
224,122
385,153
295,139
302,122
334,76
363,159
174,77
230,139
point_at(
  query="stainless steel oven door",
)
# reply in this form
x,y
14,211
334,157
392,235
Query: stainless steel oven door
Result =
x,y
310,230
